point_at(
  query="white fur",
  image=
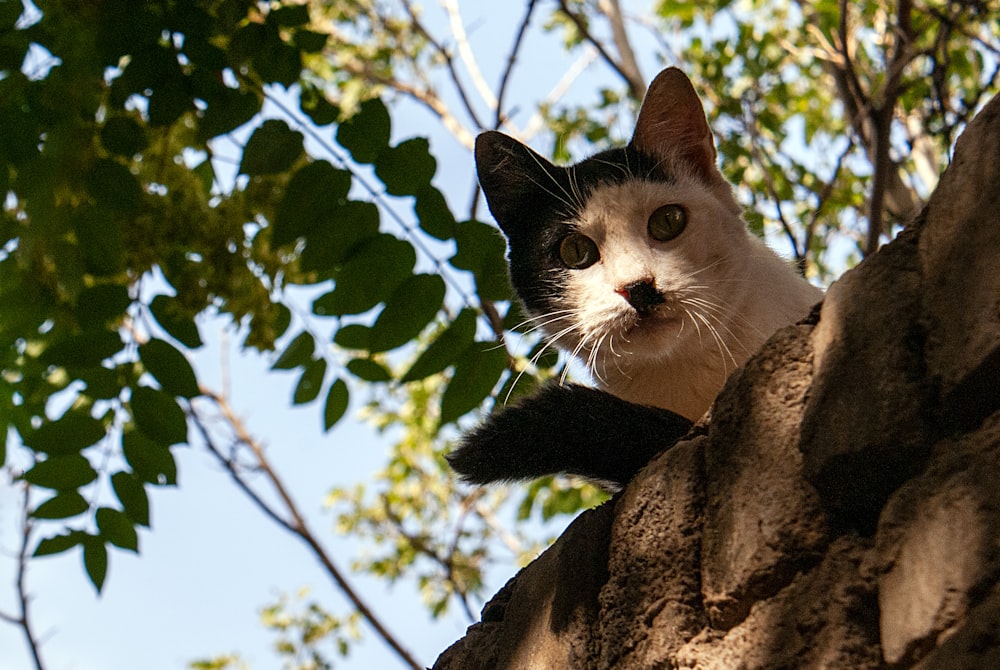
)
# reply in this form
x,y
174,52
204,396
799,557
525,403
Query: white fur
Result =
x,y
726,292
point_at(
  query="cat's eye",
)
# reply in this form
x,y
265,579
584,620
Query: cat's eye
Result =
x,y
578,251
667,222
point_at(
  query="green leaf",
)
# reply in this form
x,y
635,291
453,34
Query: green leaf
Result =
x,y
480,250
150,461
62,473
311,199
412,306
310,41
170,368
370,276
445,348
433,213
310,383
352,336
273,148
84,350
132,495
69,434
329,244
100,304
117,528
337,400
61,506
59,543
158,416
124,136
406,169
314,103
113,186
366,134
476,374
368,370
289,16
95,560
298,352
226,111
174,319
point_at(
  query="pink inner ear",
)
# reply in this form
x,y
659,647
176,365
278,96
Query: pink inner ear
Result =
x,y
672,123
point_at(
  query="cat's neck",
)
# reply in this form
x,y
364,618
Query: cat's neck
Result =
x,y
769,296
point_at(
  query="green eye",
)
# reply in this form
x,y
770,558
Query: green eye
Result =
x,y
667,222
578,251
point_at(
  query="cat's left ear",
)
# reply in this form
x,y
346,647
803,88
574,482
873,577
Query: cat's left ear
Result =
x,y
672,124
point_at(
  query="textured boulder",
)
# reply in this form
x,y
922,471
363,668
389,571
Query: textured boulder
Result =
x,y
838,509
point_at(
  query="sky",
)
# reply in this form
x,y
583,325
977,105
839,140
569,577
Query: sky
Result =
x,y
211,561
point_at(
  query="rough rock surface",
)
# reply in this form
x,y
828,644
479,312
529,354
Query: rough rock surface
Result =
x,y
839,509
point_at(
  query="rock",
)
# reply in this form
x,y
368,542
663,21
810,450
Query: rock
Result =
x,y
838,509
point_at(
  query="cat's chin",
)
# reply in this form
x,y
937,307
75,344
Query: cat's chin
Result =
x,y
652,337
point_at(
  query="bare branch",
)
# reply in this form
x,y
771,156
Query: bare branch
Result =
x,y
23,617
509,68
636,87
291,519
465,53
629,66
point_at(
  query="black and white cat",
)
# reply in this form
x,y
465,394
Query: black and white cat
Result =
x,y
637,262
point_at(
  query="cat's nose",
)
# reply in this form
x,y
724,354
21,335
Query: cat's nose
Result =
x,y
642,295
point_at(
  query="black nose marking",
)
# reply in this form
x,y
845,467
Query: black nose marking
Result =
x,y
642,295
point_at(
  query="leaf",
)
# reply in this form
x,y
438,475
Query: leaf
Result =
x,y
337,400
310,383
329,244
368,370
310,41
71,433
170,368
311,199
406,169
433,213
84,350
412,306
369,276
100,304
273,148
62,473
298,352
366,134
313,101
117,528
113,186
158,416
175,320
480,250
95,560
61,506
289,16
445,348
122,135
352,336
132,495
150,461
59,543
226,111
476,374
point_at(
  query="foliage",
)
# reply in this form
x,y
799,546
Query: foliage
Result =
x,y
166,162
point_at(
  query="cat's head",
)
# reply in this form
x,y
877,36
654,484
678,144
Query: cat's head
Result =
x,y
629,251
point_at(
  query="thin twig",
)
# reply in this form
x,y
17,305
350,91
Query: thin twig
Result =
x,y
522,30
295,523
635,88
23,618
466,54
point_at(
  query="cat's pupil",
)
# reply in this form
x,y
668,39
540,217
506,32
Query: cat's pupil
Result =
x,y
667,222
578,251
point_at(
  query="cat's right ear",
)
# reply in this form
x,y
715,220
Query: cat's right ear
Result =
x,y
513,178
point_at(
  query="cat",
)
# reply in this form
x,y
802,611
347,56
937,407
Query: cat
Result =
x,y
637,262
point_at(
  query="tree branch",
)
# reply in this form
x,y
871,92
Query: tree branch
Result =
x,y
636,87
295,523
23,618
509,68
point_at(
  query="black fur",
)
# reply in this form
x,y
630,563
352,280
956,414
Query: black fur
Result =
x,y
571,429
